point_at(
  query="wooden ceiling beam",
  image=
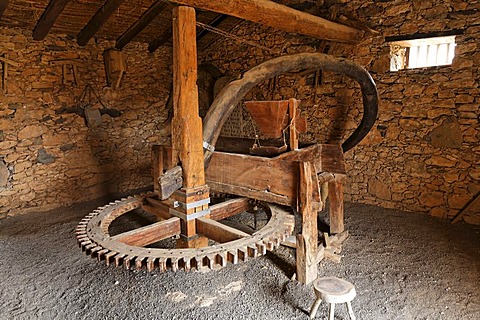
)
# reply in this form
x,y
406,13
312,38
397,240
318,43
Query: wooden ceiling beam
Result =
x,y
98,20
155,9
3,6
280,17
161,40
167,35
48,18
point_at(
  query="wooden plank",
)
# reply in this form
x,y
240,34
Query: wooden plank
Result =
x,y
281,17
3,6
335,194
229,208
268,179
48,18
150,234
160,40
217,231
98,20
307,241
472,203
158,208
170,182
157,166
245,191
155,9
186,123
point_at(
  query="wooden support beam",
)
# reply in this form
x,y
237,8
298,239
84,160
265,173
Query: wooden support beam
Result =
x,y
48,18
3,6
229,208
280,17
307,240
160,40
98,20
155,9
217,231
150,234
335,194
187,140
158,208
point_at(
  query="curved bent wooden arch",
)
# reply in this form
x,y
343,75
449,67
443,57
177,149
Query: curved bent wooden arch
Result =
x,y
234,92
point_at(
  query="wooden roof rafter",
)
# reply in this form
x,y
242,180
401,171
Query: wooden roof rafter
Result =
x,y
3,6
167,34
98,20
48,18
155,9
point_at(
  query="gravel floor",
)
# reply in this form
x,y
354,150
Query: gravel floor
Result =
x,y
404,266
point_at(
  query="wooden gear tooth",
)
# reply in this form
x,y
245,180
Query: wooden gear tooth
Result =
x,y
109,257
151,264
101,254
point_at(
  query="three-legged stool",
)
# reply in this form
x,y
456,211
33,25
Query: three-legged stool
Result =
x,y
333,290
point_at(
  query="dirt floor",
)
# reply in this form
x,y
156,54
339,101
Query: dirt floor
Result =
x,y
403,265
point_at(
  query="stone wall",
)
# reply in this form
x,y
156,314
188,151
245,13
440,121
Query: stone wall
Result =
x,y
49,156
424,152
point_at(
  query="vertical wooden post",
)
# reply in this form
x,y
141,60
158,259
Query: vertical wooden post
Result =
x,y
292,114
307,240
186,124
335,194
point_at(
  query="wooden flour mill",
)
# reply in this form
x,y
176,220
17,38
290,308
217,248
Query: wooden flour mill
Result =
x,y
188,171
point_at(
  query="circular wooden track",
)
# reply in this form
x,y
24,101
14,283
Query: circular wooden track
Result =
x,y
94,239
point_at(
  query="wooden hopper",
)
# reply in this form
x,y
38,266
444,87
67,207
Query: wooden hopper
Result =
x,y
269,116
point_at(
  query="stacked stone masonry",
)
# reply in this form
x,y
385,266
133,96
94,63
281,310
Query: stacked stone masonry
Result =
x,y
423,153
49,156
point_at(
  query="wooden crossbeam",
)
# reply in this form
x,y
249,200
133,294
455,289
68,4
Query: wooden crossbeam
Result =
x,y
98,20
48,18
160,40
150,234
3,6
155,9
228,208
218,231
280,17
156,207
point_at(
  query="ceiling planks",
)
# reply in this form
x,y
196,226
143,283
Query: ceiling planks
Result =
x,y
152,12
98,20
3,6
48,18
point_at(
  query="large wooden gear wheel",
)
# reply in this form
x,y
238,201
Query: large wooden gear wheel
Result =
x,y
95,240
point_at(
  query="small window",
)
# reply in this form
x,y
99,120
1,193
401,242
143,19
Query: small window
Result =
x,y
420,53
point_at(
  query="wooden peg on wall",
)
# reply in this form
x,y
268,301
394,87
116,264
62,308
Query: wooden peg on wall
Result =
x,y
5,63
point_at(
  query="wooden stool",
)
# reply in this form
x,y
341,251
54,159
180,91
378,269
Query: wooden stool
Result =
x,y
333,290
